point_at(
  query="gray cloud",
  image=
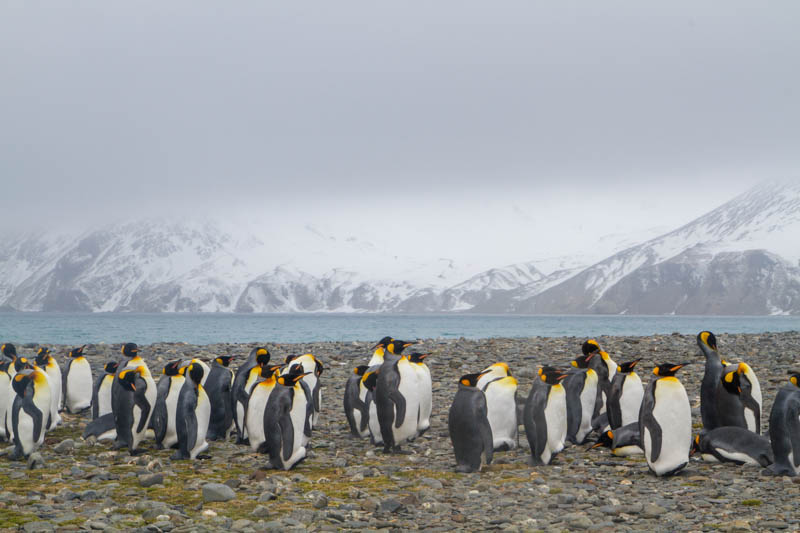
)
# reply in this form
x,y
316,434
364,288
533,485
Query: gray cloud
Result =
x,y
339,109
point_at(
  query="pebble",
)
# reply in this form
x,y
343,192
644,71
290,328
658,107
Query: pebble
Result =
x,y
65,446
217,492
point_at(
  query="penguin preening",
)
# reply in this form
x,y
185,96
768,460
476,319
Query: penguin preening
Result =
x,y
625,397
101,392
623,441
193,414
29,411
218,388
545,416
355,409
733,444
500,389
736,383
665,422
132,407
784,429
78,382
581,387
259,356
48,364
468,426
286,414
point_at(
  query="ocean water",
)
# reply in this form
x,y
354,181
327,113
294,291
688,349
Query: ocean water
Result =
x,y
207,328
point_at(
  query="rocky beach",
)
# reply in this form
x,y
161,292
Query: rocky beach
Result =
x,y
345,483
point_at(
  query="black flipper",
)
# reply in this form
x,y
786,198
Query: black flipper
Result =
x,y
486,433
99,425
400,407
140,400
647,421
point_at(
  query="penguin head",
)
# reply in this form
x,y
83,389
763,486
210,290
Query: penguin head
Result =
x,y
383,343
9,350
4,365
416,357
380,351
605,439
294,375
590,346
318,367
470,380
707,339
262,356
695,445
582,361
732,382
195,372
21,382
77,352
173,368
224,360
625,368
20,364
268,371
370,380
360,370
130,350
667,369
551,375
42,356
794,377
111,367
396,347
127,378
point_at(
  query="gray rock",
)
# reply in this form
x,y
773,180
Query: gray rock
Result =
x,y
391,506
217,492
65,446
38,527
35,461
320,501
148,480
260,512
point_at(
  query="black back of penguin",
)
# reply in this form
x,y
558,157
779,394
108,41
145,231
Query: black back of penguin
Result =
x,y
707,343
218,388
735,444
784,429
468,425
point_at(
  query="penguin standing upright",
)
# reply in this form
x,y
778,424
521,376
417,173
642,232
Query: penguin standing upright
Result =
x,y
355,410
284,420
133,406
605,368
78,383
30,411
581,387
165,410
194,412
48,364
101,392
545,416
733,444
5,384
625,397
665,422
259,356
218,388
257,408
367,392
500,389
468,425
711,380
784,429
396,399
19,364
736,404
425,390
313,368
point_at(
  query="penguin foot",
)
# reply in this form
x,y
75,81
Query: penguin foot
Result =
x,y
464,469
203,457
178,456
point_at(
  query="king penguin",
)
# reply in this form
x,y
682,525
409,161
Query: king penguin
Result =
x,y
48,364
605,368
194,412
397,401
623,441
367,391
313,368
5,384
257,408
581,387
379,350
665,422
545,416
284,422
738,401
733,444
711,380
500,389
625,397
18,365
101,392
78,382
133,406
165,411
30,411
259,356
468,425
784,429
218,388
355,410
425,390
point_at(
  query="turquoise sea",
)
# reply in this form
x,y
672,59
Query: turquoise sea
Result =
x,y
206,328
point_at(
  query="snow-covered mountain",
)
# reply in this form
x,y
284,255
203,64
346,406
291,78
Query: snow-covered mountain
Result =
x,y
741,258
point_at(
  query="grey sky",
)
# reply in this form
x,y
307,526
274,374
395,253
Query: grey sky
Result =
x,y
341,111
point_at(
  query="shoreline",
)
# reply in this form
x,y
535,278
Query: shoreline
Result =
x,y
345,483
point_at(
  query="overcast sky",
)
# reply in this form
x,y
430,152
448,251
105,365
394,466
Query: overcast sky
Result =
x,y
535,121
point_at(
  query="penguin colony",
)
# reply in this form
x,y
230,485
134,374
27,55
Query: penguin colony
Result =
x,y
273,408
193,402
